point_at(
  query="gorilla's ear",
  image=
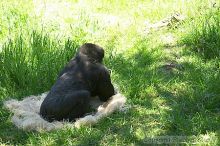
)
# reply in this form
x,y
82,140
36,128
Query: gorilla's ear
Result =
x,y
92,51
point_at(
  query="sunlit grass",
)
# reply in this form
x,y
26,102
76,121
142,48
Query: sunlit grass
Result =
x,y
37,38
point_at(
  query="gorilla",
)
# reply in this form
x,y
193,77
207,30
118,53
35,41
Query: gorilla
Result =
x,y
82,78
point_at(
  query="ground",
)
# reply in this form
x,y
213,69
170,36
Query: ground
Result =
x,y
170,75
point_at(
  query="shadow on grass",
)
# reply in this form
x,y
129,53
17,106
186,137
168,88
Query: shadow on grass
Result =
x,y
195,106
9,133
195,102
137,73
194,97
134,71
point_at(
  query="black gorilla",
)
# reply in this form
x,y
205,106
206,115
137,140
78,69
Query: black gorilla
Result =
x,y
83,77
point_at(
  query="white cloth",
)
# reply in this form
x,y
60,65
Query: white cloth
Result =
x,y
26,113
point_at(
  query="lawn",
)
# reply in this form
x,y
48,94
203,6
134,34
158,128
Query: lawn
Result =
x,y
170,75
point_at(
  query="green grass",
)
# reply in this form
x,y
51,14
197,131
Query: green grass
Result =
x,y
38,38
205,35
33,64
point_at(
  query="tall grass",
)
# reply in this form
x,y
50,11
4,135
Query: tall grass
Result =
x,y
31,63
197,97
204,38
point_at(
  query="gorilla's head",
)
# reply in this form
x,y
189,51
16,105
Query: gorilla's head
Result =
x,y
92,51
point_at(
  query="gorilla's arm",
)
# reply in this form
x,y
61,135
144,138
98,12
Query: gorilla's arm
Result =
x,y
105,87
68,67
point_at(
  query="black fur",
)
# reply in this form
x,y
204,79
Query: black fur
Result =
x,y
84,76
